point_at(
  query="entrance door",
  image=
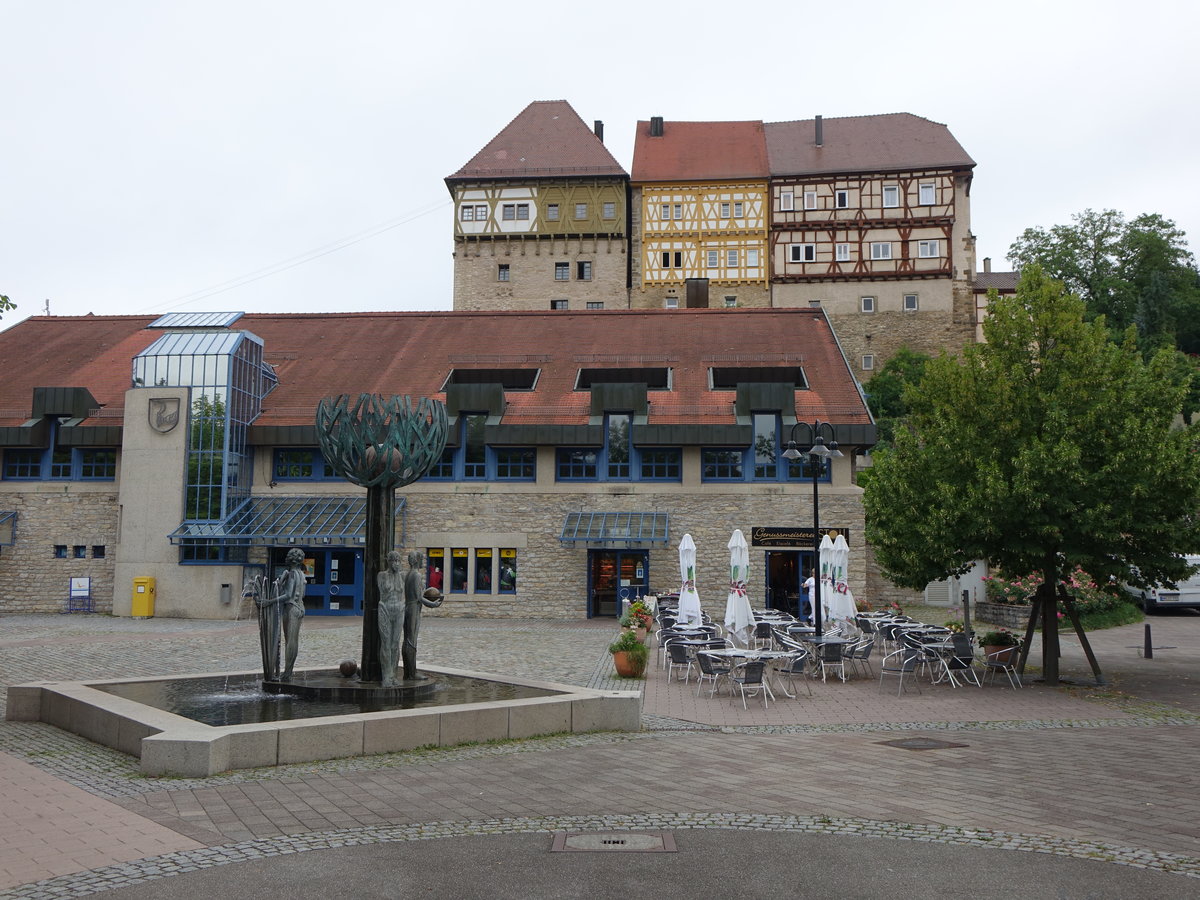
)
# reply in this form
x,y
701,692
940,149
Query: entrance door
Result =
x,y
786,571
334,580
613,576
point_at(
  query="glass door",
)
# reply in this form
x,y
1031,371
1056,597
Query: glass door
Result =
x,y
614,576
334,580
785,574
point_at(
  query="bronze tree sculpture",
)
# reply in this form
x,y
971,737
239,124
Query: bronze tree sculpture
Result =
x,y
381,444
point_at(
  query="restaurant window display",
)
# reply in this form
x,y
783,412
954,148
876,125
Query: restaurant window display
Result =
x,y
483,571
435,562
459,558
508,571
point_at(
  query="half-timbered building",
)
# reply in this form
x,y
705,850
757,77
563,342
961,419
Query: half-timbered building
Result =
x,y
870,219
700,213
540,217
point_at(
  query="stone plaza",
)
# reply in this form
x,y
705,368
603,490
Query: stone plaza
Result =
x,y
1077,791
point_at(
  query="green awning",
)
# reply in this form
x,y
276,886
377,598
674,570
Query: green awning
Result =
x,y
614,529
284,520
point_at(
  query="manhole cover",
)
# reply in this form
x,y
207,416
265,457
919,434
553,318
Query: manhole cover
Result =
x,y
922,744
628,841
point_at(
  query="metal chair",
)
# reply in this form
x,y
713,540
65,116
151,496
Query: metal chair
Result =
x,y
712,668
860,655
900,662
751,677
796,665
1005,661
830,656
678,657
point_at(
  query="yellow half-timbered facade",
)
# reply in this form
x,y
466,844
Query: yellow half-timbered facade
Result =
x,y
701,210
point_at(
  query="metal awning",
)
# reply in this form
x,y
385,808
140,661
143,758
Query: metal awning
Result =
x,y
8,527
614,528
283,520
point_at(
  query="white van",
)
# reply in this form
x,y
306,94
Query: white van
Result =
x,y
1185,596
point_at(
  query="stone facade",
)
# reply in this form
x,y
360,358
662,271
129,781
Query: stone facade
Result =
x,y
531,282
553,577
71,516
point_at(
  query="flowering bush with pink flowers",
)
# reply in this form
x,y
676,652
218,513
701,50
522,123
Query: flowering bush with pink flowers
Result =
x,y
1089,597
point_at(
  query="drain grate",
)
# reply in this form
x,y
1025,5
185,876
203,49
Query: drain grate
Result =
x,y
607,842
922,744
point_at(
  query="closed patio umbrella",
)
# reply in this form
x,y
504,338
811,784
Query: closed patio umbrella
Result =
x,y
839,601
689,600
739,617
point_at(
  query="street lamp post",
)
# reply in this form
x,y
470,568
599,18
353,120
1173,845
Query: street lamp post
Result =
x,y
818,452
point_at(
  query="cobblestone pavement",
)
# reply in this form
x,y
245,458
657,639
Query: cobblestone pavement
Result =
x,y
1088,772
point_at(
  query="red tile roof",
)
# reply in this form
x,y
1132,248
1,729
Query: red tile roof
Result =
x,y
318,355
885,143
1005,282
546,139
698,151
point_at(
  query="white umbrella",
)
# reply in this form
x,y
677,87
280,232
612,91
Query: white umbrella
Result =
x,y
824,581
739,617
839,601
689,600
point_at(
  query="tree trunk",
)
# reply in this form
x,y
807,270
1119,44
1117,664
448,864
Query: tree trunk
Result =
x,y
381,540
1049,596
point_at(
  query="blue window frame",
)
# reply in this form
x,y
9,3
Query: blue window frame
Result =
x,y
661,464
210,554
301,464
617,445
718,464
61,464
618,459
763,460
576,463
474,460
473,446
515,463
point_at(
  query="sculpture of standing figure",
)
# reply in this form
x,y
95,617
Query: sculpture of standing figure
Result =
x,y
400,602
391,618
289,594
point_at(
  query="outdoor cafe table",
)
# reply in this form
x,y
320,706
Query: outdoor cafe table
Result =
x,y
748,653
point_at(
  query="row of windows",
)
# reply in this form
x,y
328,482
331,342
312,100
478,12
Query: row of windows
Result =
x,y
616,460
908,303
926,196
673,259
61,464
565,304
806,253
488,577
79,551
519,212
562,271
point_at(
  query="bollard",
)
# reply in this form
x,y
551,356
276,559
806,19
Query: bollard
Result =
x,y
1148,651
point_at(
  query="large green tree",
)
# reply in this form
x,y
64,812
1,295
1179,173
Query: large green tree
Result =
x,y
1133,272
1048,447
6,304
885,390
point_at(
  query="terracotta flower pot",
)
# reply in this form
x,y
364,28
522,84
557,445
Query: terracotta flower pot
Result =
x,y
628,665
1003,658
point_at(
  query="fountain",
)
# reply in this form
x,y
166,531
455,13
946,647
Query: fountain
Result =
x,y
307,714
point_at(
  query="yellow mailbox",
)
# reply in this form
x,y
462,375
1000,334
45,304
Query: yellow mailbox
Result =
x,y
143,597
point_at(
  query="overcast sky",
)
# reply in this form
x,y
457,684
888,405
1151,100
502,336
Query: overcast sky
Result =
x,y
290,155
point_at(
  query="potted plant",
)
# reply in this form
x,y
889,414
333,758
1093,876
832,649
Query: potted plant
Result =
x,y
995,642
629,655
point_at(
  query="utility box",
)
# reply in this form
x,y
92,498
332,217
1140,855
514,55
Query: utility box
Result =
x,y
142,606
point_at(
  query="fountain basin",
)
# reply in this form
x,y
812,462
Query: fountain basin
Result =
x,y
170,744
